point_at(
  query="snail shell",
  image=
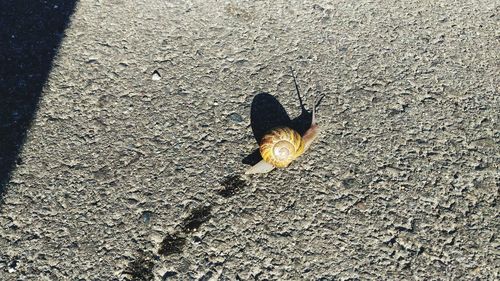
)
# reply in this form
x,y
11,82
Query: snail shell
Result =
x,y
281,146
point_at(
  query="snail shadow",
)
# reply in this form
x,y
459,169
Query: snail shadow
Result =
x,y
267,113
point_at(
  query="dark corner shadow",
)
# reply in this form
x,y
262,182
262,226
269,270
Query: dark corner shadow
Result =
x,y
30,35
268,113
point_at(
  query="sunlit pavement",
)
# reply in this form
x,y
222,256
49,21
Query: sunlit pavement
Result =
x,y
132,168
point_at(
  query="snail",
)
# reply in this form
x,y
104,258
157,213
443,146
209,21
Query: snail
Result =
x,y
282,145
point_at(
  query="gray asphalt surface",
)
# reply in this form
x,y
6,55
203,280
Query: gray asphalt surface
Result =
x,y
131,167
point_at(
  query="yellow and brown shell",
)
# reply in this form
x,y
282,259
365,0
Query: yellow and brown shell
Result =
x,y
281,146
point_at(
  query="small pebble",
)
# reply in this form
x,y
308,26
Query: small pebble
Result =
x,y
146,217
235,117
91,60
156,76
169,274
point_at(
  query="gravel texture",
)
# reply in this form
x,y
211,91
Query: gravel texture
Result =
x,y
132,168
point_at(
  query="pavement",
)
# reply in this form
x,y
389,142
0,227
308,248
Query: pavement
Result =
x,y
132,166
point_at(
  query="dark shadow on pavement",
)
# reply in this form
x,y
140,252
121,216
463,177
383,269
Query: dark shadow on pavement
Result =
x,y
30,35
266,113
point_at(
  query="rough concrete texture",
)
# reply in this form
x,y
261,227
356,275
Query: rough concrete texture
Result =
x,y
129,174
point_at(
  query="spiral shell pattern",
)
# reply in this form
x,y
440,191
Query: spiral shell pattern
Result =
x,y
281,146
